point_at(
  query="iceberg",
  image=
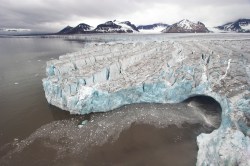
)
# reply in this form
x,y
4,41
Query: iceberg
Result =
x,y
102,77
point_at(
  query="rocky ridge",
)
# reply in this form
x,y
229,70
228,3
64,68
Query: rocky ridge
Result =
x,y
116,27
241,25
79,29
186,26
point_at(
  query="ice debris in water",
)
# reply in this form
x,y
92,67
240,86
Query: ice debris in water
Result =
x,y
66,138
84,122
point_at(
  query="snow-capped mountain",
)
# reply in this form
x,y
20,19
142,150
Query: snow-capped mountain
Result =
x,y
128,23
152,28
65,30
241,25
186,26
116,27
81,28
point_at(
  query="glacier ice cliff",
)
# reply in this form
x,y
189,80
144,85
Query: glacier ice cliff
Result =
x,y
102,77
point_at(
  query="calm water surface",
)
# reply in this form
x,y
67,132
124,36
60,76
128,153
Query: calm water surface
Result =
x,y
23,107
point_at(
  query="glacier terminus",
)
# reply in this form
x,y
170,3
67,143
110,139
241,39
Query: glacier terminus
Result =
x,y
104,76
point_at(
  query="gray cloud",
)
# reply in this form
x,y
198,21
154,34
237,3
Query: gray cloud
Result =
x,y
54,15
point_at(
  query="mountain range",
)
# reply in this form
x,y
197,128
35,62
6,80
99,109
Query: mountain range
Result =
x,y
241,25
183,26
116,27
81,28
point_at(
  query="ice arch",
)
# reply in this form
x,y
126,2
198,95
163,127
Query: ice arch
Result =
x,y
207,108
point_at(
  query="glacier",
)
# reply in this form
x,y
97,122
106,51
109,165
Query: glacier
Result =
x,y
102,77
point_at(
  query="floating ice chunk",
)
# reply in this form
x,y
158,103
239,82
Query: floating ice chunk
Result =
x,y
82,123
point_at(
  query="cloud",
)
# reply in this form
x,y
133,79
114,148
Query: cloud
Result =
x,y
54,15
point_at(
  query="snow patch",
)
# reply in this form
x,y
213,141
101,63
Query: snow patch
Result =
x,y
85,92
186,24
245,27
157,29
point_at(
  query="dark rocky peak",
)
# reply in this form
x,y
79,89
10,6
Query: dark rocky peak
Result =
x,y
186,26
65,30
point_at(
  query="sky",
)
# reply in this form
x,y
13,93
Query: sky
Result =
x,y
53,15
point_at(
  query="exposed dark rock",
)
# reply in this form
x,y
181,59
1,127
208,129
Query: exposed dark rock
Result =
x,y
79,29
65,30
186,26
116,27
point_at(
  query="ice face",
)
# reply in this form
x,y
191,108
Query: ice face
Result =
x,y
103,77
229,148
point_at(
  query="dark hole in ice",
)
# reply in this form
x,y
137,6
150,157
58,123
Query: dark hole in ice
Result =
x,y
206,102
208,107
